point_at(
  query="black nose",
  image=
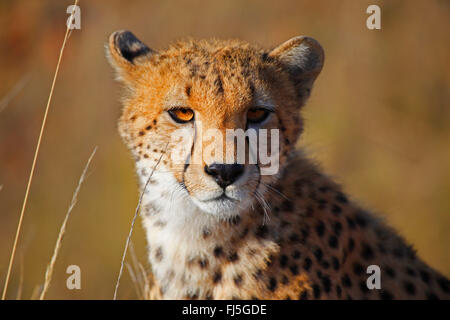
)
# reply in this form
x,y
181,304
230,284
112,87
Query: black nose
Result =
x,y
224,174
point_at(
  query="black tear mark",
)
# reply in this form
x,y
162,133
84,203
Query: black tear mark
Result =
x,y
189,157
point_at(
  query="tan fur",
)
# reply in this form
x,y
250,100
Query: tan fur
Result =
x,y
317,243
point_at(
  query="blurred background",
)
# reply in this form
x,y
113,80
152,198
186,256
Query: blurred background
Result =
x,y
378,121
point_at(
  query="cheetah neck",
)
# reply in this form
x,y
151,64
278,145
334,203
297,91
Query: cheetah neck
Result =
x,y
317,244
194,254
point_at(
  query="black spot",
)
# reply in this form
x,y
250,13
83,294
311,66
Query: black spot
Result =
x,y
272,284
338,291
159,254
192,296
398,252
410,271
235,220
283,260
217,277
305,234
367,252
382,248
307,264
333,242
244,233
444,284
141,133
203,263
219,85
386,295
316,290
351,244
341,198
149,127
409,287
322,204
284,280
270,262
360,219
390,272
358,269
326,284
425,276
320,229
336,209
287,205
284,223
294,237
296,254
363,286
266,58
286,141
294,269
325,264
238,280
206,233
218,251
318,254
351,223
303,295
432,296
337,228
188,91
335,262
262,231
233,257
346,282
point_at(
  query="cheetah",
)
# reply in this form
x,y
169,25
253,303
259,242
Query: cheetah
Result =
x,y
221,230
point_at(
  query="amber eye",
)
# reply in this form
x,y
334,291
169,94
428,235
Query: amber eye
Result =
x,y
257,115
181,115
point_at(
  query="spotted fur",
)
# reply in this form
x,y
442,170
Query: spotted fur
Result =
x,y
293,235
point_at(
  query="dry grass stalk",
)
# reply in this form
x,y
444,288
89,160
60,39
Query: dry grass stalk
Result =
x,y
142,279
135,272
33,166
62,231
35,293
134,279
138,207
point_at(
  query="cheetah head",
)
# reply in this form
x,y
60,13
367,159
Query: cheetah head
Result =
x,y
186,106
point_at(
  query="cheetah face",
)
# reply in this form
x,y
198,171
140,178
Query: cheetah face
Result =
x,y
194,110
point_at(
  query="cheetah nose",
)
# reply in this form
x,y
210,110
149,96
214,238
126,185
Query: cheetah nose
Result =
x,y
224,174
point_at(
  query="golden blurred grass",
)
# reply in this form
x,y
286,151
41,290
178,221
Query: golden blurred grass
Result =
x,y
378,121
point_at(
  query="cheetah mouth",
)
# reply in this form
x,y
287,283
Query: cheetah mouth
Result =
x,y
222,197
223,204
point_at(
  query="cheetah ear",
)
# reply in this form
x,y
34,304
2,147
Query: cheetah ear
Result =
x,y
303,58
125,53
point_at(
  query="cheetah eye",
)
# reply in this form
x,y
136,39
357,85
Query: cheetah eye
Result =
x,y
257,115
181,115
